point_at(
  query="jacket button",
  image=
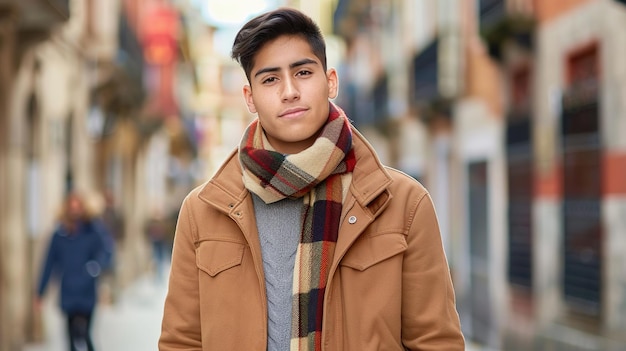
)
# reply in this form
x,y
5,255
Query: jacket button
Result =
x,y
352,219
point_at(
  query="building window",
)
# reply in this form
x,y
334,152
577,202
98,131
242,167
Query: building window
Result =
x,y
582,152
425,67
480,296
520,180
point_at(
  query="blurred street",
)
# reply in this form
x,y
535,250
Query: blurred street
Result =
x,y
511,113
132,323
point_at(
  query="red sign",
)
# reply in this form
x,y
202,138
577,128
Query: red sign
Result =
x,y
160,35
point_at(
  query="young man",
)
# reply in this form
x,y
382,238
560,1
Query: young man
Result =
x,y
303,240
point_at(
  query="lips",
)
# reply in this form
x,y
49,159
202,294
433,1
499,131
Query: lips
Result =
x,y
293,112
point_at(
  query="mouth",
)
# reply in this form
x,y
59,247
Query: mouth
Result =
x,y
293,112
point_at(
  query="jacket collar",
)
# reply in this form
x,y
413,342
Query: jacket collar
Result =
x,y
226,191
369,178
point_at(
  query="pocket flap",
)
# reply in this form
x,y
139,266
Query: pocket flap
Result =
x,y
214,257
371,250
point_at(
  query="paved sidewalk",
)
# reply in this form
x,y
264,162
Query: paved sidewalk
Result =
x,y
132,323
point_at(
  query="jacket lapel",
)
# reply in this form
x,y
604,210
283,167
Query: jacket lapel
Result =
x,y
367,197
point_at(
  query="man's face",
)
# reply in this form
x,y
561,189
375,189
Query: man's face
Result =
x,y
289,91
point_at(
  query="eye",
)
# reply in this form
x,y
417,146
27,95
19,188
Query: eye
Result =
x,y
304,73
268,80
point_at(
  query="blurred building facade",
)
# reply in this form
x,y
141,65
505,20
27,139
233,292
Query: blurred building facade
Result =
x,y
82,110
211,92
45,83
510,112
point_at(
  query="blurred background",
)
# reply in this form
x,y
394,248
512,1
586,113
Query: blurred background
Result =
x,y
509,111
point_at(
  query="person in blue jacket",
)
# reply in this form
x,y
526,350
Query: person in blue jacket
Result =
x,y
77,254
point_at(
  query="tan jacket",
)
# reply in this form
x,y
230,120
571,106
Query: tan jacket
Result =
x,y
389,286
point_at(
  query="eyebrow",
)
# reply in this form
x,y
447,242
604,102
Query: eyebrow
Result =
x,y
291,66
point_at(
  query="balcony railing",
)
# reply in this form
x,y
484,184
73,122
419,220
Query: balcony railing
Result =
x,y
580,113
581,94
498,26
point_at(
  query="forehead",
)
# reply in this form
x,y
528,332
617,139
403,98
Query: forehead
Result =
x,y
283,50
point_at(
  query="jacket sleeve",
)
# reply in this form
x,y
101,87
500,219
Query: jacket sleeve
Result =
x,y
180,328
48,265
105,247
429,317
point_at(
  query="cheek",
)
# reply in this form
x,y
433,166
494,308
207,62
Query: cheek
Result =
x,y
263,102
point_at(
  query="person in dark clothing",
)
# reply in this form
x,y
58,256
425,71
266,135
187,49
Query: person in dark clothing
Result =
x,y
77,254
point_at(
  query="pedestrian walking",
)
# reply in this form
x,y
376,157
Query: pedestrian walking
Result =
x,y
77,254
303,240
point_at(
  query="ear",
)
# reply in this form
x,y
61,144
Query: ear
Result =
x,y
333,83
247,94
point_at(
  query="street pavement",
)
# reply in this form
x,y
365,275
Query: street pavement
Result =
x,y
131,323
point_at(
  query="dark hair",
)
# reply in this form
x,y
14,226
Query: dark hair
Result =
x,y
271,25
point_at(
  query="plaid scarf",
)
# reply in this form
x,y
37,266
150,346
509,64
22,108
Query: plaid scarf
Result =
x,y
320,175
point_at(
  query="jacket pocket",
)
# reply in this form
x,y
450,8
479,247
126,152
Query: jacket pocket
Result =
x,y
371,250
214,257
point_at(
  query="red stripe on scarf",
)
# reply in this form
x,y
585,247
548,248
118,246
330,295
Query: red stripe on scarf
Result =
x,y
320,218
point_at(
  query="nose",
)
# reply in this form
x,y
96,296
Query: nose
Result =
x,y
290,90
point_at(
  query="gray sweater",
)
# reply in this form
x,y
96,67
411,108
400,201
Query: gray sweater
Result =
x,y
279,226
